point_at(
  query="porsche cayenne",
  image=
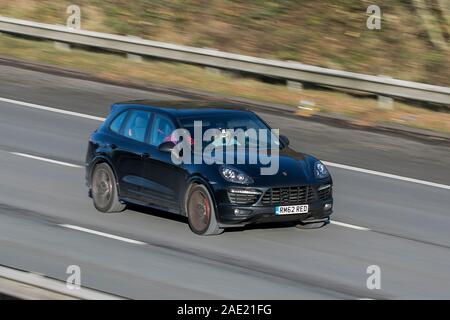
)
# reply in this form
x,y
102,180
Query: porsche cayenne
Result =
x,y
130,160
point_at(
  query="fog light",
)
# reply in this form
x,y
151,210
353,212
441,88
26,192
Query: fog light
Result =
x,y
327,206
242,212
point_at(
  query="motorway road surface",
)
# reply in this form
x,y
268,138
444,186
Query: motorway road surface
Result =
x,y
47,222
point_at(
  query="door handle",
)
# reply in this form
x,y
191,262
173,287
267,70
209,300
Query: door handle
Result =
x,y
145,155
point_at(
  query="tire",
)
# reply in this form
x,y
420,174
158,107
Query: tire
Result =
x,y
104,190
201,212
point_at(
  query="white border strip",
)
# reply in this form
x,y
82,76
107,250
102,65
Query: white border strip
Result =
x,y
46,160
102,234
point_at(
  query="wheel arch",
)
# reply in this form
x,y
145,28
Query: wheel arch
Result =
x,y
103,159
191,182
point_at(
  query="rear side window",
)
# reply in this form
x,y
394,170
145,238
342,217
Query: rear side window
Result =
x,y
118,121
162,130
136,125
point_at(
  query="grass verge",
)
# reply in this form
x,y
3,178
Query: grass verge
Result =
x,y
362,110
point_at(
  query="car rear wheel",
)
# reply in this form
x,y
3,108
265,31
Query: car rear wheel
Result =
x,y
201,213
104,190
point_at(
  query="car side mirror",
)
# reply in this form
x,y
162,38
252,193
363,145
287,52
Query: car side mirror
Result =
x,y
284,140
166,146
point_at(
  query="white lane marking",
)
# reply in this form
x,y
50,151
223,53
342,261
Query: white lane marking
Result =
x,y
351,226
102,234
40,107
331,164
46,160
133,241
129,240
387,175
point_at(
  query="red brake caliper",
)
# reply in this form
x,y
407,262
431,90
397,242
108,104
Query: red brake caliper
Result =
x,y
206,206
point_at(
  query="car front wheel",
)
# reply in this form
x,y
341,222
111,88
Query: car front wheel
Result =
x,y
201,213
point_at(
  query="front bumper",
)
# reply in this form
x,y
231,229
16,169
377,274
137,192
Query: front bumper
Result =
x,y
236,216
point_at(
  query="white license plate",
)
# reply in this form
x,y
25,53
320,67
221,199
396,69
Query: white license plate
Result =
x,y
281,210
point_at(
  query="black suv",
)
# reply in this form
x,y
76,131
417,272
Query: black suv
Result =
x,y
130,160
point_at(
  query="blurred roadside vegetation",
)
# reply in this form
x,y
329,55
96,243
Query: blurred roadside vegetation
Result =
x,y
359,109
413,43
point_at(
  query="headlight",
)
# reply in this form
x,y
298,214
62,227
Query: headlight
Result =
x,y
320,171
234,175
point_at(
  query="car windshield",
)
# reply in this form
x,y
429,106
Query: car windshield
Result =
x,y
232,129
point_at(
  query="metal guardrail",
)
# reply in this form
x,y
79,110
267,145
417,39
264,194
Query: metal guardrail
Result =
x,y
23,285
222,60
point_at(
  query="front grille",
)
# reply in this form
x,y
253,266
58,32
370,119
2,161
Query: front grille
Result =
x,y
243,198
288,195
324,194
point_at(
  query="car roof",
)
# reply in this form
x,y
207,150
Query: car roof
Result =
x,y
182,108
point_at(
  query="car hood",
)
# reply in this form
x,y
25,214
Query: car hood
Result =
x,y
294,168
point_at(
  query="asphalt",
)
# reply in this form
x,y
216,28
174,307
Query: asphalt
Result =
x,y
409,222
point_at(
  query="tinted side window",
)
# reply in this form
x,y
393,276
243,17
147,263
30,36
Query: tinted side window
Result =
x,y
117,122
161,130
136,125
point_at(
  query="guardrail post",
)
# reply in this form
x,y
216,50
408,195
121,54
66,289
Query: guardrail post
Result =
x,y
215,71
134,57
385,102
294,85
62,46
